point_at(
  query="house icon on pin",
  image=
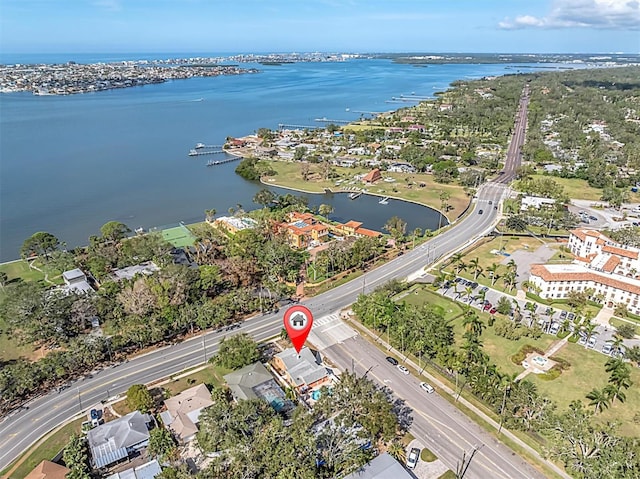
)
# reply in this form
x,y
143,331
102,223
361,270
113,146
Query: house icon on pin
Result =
x,y
298,320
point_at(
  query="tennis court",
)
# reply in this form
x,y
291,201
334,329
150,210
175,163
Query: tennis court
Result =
x,y
179,236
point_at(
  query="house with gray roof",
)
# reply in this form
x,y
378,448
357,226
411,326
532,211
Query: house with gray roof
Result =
x,y
255,382
382,467
148,470
75,281
115,440
130,272
302,371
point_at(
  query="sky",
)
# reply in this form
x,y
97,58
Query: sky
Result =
x,y
509,26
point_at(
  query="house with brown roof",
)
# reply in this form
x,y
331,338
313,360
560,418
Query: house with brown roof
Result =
x,y
354,228
302,371
373,176
48,470
183,412
304,230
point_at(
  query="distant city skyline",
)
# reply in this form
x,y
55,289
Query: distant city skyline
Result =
x,y
479,26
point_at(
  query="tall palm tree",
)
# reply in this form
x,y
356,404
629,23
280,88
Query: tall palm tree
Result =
x,y
507,381
617,343
467,292
493,270
474,264
599,399
472,323
456,260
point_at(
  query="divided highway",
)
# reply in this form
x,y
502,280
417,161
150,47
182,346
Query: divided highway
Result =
x,y
435,420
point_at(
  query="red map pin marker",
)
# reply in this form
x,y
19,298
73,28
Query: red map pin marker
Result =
x,y
298,321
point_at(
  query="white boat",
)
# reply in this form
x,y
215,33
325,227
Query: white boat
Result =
x,y
384,201
354,195
193,153
200,145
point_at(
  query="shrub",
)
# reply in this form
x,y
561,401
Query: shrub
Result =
x,y
525,350
627,331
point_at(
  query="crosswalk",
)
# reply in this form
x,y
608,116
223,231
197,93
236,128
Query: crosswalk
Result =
x,y
329,330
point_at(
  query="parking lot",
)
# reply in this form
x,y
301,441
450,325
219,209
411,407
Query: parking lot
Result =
x,y
549,320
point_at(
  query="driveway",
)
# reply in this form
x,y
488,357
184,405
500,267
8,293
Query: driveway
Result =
x,y
426,470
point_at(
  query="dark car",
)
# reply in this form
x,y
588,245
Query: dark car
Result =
x,y
95,414
480,212
392,360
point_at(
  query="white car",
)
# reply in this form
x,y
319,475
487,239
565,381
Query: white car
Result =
x,y
606,349
403,369
412,457
427,387
555,327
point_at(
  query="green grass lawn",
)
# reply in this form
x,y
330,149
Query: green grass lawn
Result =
x,y
579,189
20,269
47,450
288,175
586,373
212,376
422,295
615,322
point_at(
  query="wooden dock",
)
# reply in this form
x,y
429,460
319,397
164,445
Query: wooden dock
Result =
x,y
222,162
206,152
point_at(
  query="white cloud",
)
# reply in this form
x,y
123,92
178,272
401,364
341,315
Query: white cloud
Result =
x,y
605,14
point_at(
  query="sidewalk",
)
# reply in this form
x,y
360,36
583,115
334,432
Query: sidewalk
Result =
x,y
445,388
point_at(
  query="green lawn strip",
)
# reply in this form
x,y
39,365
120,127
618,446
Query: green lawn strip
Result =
x,y
586,373
289,176
422,295
407,438
47,449
615,322
427,456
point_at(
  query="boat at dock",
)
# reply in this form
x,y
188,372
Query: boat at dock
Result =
x,y
384,201
200,146
354,195
212,163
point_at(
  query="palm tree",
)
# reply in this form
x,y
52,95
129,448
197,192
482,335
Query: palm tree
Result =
x,y
507,381
599,399
492,270
472,323
588,328
397,450
467,292
475,265
210,214
456,260
617,343
613,392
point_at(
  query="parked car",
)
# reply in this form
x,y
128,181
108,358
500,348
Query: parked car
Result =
x,y
606,349
563,314
593,218
403,369
591,343
484,289
493,311
582,340
571,316
487,307
412,457
473,285
427,387
458,279
392,360
555,327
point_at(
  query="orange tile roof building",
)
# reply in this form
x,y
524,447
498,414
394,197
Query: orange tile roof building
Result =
x,y
373,176
606,268
304,230
48,470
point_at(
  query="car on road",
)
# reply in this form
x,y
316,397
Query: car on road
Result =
x,y
479,212
412,457
606,349
392,360
427,387
490,202
403,369
487,307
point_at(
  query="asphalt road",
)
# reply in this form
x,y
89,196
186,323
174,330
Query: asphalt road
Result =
x,y
21,429
435,422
